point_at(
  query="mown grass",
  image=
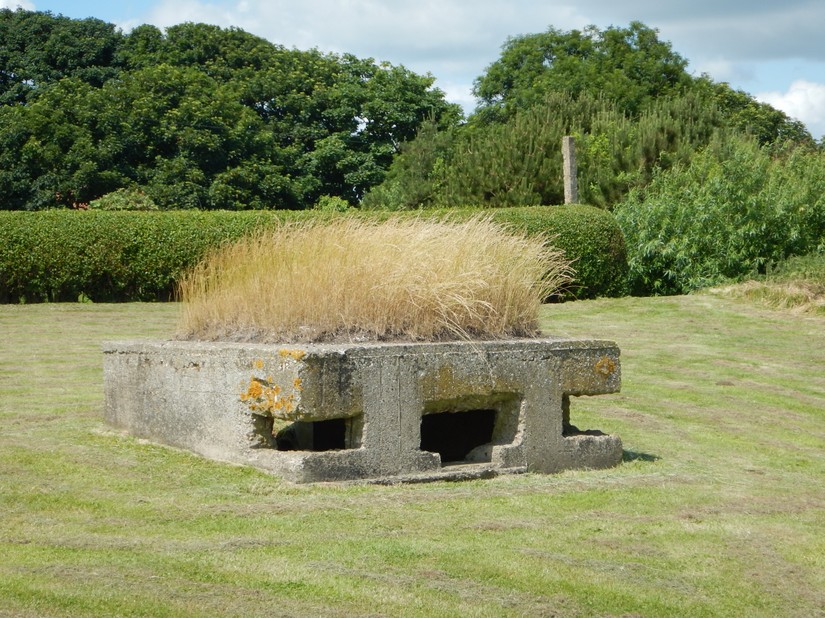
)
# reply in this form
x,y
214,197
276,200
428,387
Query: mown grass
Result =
x,y
717,510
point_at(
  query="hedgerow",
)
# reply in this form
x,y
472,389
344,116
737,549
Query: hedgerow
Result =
x,y
589,236
63,255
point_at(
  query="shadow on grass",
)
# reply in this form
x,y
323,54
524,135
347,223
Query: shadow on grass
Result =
x,y
636,456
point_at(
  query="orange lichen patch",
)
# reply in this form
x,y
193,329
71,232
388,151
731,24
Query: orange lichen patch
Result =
x,y
254,391
264,397
297,384
605,366
258,363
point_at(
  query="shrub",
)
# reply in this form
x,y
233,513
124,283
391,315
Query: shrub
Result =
x,y
518,162
358,278
124,199
800,268
730,213
332,203
60,255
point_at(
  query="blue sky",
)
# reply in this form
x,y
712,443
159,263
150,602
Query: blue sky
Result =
x,y
773,50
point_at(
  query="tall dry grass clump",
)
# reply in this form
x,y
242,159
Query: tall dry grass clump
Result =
x,y
351,279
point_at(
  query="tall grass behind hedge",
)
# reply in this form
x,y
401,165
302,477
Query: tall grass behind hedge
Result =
x,y
357,278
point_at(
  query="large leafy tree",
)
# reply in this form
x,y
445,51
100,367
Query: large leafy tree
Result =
x,y
39,48
198,116
46,148
622,92
343,117
760,120
630,66
189,140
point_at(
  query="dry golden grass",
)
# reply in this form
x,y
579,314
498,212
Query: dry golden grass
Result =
x,y
360,280
798,296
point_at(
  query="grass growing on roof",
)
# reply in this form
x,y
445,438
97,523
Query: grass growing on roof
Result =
x,y
355,279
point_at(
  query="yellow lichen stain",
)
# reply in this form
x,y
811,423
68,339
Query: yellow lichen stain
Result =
x,y
297,384
293,354
254,391
258,363
605,366
448,383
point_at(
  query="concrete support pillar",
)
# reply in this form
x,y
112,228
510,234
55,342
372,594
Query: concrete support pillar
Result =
x,y
571,184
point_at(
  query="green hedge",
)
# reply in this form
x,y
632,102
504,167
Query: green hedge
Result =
x,y
62,255
589,236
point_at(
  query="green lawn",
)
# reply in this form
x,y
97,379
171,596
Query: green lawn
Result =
x,y
717,510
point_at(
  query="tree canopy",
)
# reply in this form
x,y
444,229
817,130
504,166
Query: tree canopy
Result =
x,y
37,49
198,116
629,66
625,95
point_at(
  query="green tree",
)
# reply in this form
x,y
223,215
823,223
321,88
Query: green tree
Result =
x,y
40,48
761,120
622,92
222,53
47,152
519,161
176,132
197,116
343,119
415,177
630,66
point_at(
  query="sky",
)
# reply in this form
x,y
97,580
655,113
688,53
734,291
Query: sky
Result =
x,y
772,49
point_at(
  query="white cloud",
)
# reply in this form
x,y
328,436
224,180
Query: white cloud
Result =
x,y
15,4
171,12
803,101
722,70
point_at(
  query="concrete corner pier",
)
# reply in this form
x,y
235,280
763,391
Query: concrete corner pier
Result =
x,y
384,412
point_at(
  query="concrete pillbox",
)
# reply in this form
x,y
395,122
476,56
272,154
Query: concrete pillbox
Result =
x,y
371,411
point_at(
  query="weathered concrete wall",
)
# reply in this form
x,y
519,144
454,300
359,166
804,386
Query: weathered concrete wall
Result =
x,y
225,401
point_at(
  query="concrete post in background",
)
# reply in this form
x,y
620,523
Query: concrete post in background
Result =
x,y
571,185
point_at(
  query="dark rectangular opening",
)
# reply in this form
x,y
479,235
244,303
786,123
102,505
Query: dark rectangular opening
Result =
x,y
328,435
453,435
